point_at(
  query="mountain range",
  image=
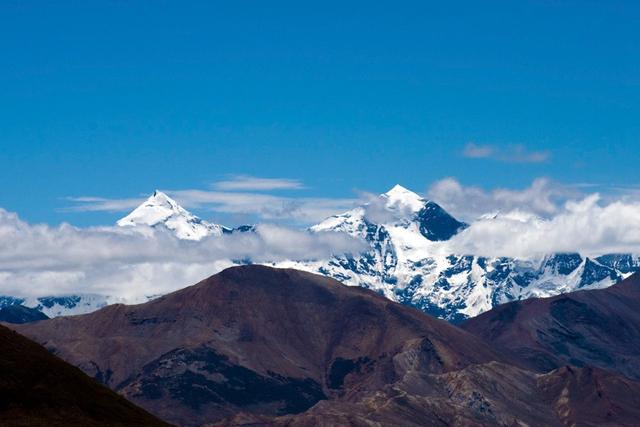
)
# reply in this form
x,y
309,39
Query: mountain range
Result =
x,y
254,345
409,259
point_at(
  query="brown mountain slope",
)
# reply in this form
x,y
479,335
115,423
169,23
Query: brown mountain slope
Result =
x,y
258,340
39,389
492,394
598,328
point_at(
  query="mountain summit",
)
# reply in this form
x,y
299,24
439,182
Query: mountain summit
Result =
x,y
399,196
161,210
398,207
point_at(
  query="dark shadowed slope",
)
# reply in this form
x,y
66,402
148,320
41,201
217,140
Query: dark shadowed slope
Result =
x,y
39,389
598,328
20,314
255,339
491,394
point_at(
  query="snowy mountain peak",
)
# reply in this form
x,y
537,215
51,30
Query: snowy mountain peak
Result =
x,y
160,198
156,209
161,210
401,209
401,197
399,189
410,259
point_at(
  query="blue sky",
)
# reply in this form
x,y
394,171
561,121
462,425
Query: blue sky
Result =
x,y
112,100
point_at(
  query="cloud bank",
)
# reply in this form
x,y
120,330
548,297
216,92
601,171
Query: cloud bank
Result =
x,y
583,226
39,260
544,218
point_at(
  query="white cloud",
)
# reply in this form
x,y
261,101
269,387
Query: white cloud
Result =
x,y
543,218
253,183
543,197
37,260
587,226
512,153
265,206
475,151
100,204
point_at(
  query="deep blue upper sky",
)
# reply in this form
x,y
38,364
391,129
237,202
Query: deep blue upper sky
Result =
x,y
114,99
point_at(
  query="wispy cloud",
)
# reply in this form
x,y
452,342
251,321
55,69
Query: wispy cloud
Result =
x,y
100,204
238,196
265,206
475,151
253,183
513,153
260,206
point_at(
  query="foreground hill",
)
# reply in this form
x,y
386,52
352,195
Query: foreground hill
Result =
x,y
39,389
598,328
256,339
260,345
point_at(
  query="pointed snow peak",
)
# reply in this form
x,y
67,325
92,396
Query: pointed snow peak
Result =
x,y
157,208
160,198
399,196
399,189
160,209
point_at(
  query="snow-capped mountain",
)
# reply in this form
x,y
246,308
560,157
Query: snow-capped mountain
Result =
x,y
159,210
61,305
410,260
